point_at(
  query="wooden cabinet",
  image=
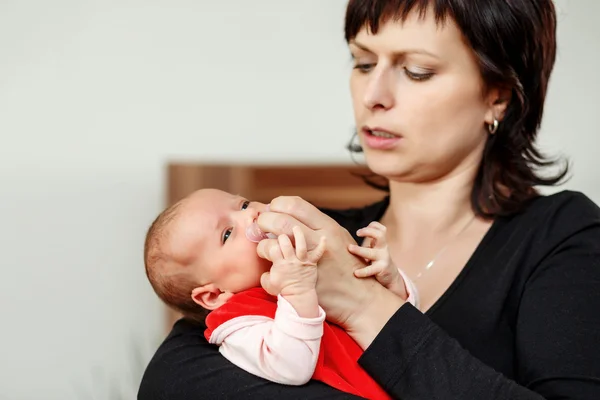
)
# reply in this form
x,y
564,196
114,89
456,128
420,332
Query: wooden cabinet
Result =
x,y
333,186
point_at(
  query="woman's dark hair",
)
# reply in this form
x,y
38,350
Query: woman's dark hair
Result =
x,y
515,44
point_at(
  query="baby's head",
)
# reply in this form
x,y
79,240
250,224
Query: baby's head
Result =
x,y
196,252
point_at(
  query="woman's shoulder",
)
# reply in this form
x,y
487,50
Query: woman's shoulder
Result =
x,y
566,200
561,211
549,223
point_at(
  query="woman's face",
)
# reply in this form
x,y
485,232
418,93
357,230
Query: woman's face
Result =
x,y
419,100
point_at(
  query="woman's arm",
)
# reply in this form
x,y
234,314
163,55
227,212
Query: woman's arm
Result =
x,y
422,361
187,367
557,334
557,340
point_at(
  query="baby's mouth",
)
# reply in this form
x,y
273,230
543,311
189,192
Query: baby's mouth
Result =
x,y
254,234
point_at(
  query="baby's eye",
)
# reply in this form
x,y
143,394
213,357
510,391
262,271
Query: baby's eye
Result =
x,y
245,204
226,235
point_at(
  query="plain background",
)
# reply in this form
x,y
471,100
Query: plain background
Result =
x,y
96,96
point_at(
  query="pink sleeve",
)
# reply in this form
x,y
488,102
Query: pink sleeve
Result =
x,y
411,289
284,350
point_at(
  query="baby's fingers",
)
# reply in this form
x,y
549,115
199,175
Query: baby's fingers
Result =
x,y
367,271
368,242
300,242
375,233
265,282
378,226
286,247
317,253
364,252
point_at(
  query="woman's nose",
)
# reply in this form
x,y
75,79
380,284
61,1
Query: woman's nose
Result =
x,y
378,92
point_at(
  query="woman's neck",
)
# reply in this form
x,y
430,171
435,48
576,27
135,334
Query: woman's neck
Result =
x,y
421,211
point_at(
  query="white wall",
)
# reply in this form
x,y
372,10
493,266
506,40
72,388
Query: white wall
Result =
x,y
96,96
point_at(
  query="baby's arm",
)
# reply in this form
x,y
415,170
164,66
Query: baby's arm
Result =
x,y
284,350
376,251
294,273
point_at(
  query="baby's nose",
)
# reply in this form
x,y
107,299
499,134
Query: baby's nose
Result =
x,y
256,207
249,213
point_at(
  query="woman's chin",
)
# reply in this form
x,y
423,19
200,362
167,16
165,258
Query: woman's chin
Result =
x,y
389,169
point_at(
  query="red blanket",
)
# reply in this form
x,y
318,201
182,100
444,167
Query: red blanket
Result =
x,y
337,365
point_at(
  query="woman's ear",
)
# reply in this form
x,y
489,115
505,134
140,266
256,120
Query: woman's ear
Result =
x,y
210,297
498,100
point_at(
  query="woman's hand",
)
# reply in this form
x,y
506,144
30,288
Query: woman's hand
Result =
x,y
361,306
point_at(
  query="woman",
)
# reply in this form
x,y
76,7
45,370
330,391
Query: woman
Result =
x,y
448,98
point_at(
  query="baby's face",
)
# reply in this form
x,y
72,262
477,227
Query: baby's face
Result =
x,y
209,236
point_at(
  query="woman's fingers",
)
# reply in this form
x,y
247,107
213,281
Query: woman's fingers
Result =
x,y
283,224
301,210
280,224
342,296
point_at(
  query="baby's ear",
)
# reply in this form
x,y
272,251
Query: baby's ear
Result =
x,y
210,297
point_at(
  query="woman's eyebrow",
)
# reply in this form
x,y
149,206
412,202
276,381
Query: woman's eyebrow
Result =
x,y
395,53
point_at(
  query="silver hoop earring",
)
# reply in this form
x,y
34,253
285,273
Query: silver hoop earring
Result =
x,y
492,128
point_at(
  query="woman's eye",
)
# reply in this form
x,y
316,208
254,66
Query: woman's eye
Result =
x,y
245,204
364,67
417,76
226,235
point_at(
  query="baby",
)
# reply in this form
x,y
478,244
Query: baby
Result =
x,y
200,254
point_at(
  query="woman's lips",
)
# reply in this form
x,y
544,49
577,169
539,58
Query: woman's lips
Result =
x,y
379,138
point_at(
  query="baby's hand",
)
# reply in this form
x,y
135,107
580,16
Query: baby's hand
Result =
x,y
375,250
294,270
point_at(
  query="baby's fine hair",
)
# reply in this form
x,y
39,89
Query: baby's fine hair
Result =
x,y
174,287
